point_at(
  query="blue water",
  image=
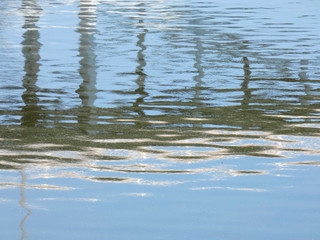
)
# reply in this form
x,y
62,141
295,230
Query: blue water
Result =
x,y
159,119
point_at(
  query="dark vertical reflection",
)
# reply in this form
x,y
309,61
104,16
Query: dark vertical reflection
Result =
x,y
30,49
23,205
87,89
303,77
198,77
141,76
245,83
198,32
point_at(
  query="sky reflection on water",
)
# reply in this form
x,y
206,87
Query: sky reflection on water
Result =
x,y
159,120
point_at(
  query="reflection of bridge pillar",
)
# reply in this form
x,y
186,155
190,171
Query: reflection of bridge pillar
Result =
x,y
198,78
196,113
303,77
31,111
30,50
87,89
245,83
141,76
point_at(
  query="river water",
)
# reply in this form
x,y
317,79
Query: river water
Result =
x,y
159,119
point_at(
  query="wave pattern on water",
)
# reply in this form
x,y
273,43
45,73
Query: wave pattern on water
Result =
x,y
121,90
159,118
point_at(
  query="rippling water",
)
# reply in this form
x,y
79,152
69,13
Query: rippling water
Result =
x,y
159,119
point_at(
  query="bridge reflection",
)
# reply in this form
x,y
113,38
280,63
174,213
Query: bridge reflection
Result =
x,y
182,122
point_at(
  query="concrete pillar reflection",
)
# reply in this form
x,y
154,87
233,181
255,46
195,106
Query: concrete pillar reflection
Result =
x,y
30,49
87,70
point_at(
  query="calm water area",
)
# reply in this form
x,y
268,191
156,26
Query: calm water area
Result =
x,y
159,119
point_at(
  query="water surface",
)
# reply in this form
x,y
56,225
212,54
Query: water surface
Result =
x,y
159,119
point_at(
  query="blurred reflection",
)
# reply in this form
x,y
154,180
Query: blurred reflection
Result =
x,y
245,83
303,77
198,77
141,76
188,127
87,90
31,111
30,49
